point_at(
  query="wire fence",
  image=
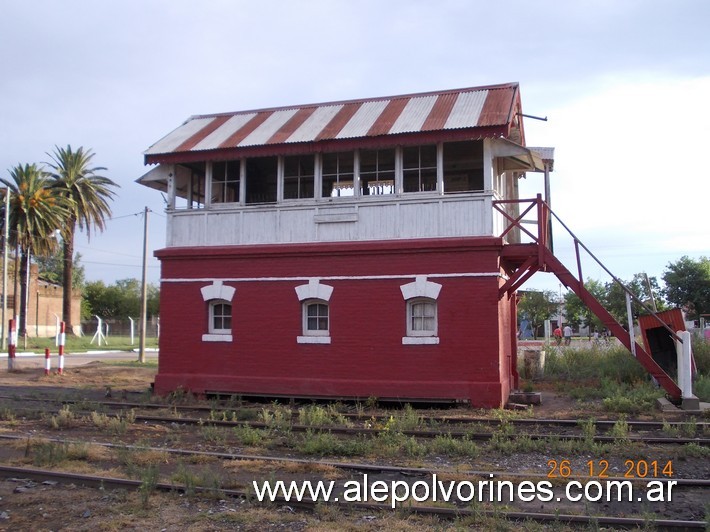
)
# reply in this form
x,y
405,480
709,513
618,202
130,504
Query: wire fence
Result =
x,y
107,328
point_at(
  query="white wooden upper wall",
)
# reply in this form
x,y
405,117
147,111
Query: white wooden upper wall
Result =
x,y
382,218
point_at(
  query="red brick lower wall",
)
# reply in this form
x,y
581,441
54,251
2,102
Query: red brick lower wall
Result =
x,y
367,322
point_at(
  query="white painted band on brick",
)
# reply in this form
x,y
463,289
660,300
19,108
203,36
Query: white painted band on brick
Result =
x,y
420,340
313,339
332,277
216,337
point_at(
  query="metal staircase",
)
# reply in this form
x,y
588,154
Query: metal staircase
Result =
x,y
522,260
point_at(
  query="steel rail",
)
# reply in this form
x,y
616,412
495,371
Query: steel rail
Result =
x,y
351,466
602,423
95,481
480,436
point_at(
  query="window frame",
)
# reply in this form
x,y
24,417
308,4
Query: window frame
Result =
x,y
422,333
306,317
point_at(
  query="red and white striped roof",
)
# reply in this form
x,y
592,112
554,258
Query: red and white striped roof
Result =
x,y
478,111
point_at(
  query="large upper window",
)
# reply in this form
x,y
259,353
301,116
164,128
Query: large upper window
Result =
x,y
463,166
262,178
419,168
377,172
299,176
338,172
225,182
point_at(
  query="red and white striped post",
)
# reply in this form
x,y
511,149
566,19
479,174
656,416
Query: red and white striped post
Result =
x,y
47,361
62,338
11,341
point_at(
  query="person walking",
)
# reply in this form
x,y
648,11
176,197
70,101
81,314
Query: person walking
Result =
x,y
568,334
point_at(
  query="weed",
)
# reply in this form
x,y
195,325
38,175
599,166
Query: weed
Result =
x,y
701,387
445,444
7,414
63,419
250,436
620,430
278,417
690,428
316,415
371,403
113,424
149,480
693,450
589,428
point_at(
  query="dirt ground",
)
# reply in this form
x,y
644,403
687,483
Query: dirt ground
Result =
x,y
25,505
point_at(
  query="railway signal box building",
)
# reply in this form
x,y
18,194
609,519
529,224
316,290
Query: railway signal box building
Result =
x,y
347,249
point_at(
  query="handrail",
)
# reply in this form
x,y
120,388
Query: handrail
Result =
x,y
544,211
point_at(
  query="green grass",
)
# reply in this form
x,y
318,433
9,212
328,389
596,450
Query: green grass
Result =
x,y
78,344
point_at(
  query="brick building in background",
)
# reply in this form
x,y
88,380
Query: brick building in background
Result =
x,y
44,304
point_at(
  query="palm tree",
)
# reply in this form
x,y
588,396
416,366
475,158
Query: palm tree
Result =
x,y
36,211
89,192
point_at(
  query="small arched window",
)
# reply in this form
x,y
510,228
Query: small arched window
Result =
x,y
315,318
421,317
220,317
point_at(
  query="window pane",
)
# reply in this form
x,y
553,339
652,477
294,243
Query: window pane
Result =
x,y
299,178
338,174
221,316
317,317
463,166
423,316
377,172
225,181
261,179
419,168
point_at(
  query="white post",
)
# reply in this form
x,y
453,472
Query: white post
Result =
x,y
56,334
99,334
132,329
685,375
632,338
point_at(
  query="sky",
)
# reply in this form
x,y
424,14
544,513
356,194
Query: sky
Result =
x,y
623,84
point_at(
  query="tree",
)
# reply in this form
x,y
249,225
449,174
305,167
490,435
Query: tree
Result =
x,y
615,301
688,285
36,211
577,312
120,300
537,307
76,179
51,269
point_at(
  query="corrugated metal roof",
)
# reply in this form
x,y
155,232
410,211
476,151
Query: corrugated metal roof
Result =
x,y
490,107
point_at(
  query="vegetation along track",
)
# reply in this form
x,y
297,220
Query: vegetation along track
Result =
x,y
407,421
105,482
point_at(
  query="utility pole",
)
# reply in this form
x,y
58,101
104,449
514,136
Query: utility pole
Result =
x,y
144,290
6,238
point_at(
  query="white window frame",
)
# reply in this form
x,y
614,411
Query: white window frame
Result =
x,y
421,290
218,294
315,332
308,294
411,331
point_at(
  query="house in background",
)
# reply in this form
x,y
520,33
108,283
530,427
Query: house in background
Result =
x,y
354,249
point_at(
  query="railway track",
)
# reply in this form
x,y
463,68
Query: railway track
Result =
x,y
106,482
348,466
451,426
